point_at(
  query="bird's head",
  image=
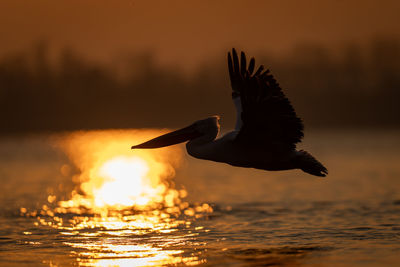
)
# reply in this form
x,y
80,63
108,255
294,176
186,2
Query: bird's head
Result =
x,y
207,126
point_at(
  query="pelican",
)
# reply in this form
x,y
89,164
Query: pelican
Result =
x,y
266,132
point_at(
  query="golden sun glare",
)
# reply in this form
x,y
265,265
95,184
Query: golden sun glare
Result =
x,y
124,184
120,193
113,177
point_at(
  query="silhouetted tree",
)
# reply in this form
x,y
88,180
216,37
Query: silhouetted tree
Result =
x,y
357,88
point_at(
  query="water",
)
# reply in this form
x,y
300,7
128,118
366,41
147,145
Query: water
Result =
x,y
230,216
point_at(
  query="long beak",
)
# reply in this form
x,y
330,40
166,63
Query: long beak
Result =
x,y
171,138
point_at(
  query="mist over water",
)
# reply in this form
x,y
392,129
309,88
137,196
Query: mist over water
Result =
x,y
224,216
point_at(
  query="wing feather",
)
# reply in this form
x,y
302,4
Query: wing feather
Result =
x,y
268,118
251,66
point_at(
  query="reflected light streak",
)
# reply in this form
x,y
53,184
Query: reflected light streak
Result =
x,y
124,207
129,255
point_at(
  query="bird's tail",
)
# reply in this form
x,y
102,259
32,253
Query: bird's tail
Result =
x,y
307,163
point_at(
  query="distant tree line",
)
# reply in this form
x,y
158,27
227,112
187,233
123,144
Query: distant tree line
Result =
x,y
351,88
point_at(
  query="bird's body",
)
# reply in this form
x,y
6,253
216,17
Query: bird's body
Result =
x,y
266,132
224,150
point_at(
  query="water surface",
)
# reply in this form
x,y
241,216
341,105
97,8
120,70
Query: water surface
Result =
x,y
230,216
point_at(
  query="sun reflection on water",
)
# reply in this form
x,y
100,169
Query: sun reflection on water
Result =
x,y
135,240
125,210
124,184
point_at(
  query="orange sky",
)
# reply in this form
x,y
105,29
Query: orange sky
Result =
x,y
189,30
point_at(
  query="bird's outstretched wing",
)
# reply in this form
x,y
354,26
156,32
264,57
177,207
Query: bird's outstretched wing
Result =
x,y
267,117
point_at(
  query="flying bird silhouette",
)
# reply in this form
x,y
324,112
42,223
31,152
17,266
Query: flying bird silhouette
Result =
x,y
266,132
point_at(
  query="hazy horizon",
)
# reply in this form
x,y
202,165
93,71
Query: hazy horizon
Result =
x,y
187,33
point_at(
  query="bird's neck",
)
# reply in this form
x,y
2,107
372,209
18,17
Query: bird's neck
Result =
x,y
200,147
